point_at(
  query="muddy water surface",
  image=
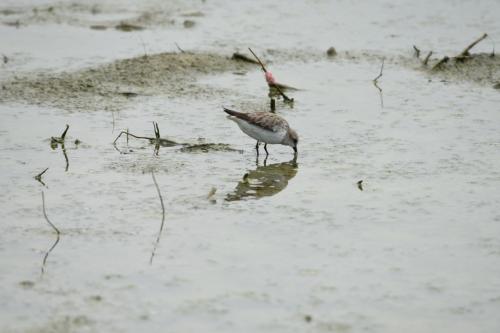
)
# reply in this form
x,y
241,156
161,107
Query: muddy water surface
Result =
x,y
282,245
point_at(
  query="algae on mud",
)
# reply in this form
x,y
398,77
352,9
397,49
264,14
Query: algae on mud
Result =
x,y
170,74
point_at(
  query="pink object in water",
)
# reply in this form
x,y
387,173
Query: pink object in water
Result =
x,y
270,78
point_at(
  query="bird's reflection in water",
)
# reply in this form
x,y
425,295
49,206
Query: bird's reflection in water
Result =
x,y
264,181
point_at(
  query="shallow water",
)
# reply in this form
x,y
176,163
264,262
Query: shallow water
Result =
x,y
289,246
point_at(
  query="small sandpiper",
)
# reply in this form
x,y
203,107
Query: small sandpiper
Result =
x,y
265,127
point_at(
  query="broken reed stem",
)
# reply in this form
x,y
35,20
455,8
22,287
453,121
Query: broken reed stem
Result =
x,y
58,233
162,219
285,97
426,60
65,131
465,52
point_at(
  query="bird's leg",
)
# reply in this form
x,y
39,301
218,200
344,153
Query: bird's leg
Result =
x,y
265,148
257,148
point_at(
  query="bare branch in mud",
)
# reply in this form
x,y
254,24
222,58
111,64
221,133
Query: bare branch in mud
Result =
x,y
162,219
427,57
39,176
285,97
465,52
417,51
58,233
440,63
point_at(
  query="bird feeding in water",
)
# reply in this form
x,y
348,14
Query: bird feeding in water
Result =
x,y
265,127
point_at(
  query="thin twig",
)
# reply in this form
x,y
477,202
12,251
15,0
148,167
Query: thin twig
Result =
x,y
465,52
426,60
58,233
417,51
162,219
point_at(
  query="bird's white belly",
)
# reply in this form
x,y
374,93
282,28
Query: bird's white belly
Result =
x,y
261,134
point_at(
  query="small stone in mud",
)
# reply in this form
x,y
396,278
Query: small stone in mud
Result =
x,y
331,52
96,298
127,27
189,23
5,59
496,85
27,284
77,142
308,318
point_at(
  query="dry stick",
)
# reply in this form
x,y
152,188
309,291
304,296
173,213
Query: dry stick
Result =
x,y
162,219
58,233
417,51
426,60
465,52
286,98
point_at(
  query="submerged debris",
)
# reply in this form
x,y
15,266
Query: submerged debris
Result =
x,y
186,147
127,27
209,147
